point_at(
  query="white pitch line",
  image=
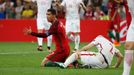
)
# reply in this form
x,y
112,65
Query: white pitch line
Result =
x,y
19,53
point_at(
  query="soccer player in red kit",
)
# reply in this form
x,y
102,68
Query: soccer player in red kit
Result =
x,y
57,30
115,21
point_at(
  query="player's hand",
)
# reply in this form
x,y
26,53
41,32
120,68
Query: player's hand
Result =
x,y
27,31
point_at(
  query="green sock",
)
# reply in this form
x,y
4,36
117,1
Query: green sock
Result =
x,y
111,35
50,64
117,36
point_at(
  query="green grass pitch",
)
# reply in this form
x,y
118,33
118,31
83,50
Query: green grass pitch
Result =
x,y
22,58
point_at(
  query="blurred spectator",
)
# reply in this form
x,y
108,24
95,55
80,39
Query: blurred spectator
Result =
x,y
33,6
1,3
9,9
9,2
18,9
89,14
2,13
27,13
104,6
89,2
97,2
60,13
98,13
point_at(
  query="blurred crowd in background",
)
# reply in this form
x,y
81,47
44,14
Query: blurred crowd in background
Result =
x,y
19,9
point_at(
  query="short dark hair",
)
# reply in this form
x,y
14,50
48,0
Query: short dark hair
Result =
x,y
53,11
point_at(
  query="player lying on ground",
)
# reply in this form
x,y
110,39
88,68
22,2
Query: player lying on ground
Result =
x,y
57,30
100,59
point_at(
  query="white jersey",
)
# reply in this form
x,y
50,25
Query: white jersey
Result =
x,y
105,47
130,32
43,6
72,8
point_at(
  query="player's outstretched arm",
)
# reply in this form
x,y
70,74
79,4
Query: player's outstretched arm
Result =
x,y
83,6
28,31
119,59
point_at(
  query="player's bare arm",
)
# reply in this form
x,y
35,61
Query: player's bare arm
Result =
x,y
119,59
83,6
28,31
85,48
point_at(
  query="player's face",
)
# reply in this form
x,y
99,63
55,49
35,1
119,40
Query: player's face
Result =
x,y
50,17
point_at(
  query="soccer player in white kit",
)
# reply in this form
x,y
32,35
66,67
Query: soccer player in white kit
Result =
x,y
42,23
129,45
72,19
100,59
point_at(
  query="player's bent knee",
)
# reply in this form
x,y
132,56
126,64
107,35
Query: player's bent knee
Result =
x,y
129,46
77,55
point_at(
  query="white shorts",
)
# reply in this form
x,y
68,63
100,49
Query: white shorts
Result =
x,y
130,32
43,23
92,59
73,25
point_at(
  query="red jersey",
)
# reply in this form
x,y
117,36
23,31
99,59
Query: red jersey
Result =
x,y
59,35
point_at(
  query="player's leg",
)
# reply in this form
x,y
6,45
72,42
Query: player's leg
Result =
x,y
49,38
77,40
71,59
117,28
128,58
69,30
110,30
55,56
129,47
70,36
40,28
111,24
76,30
49,43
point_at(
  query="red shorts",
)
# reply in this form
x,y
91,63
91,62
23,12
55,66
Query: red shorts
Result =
x,y
56,56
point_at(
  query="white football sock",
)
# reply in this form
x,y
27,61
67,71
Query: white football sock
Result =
x,y
70,59
77,41
49,41
71,37
128,59
40,41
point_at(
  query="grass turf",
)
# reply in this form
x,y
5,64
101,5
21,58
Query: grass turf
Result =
x,y
22,58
